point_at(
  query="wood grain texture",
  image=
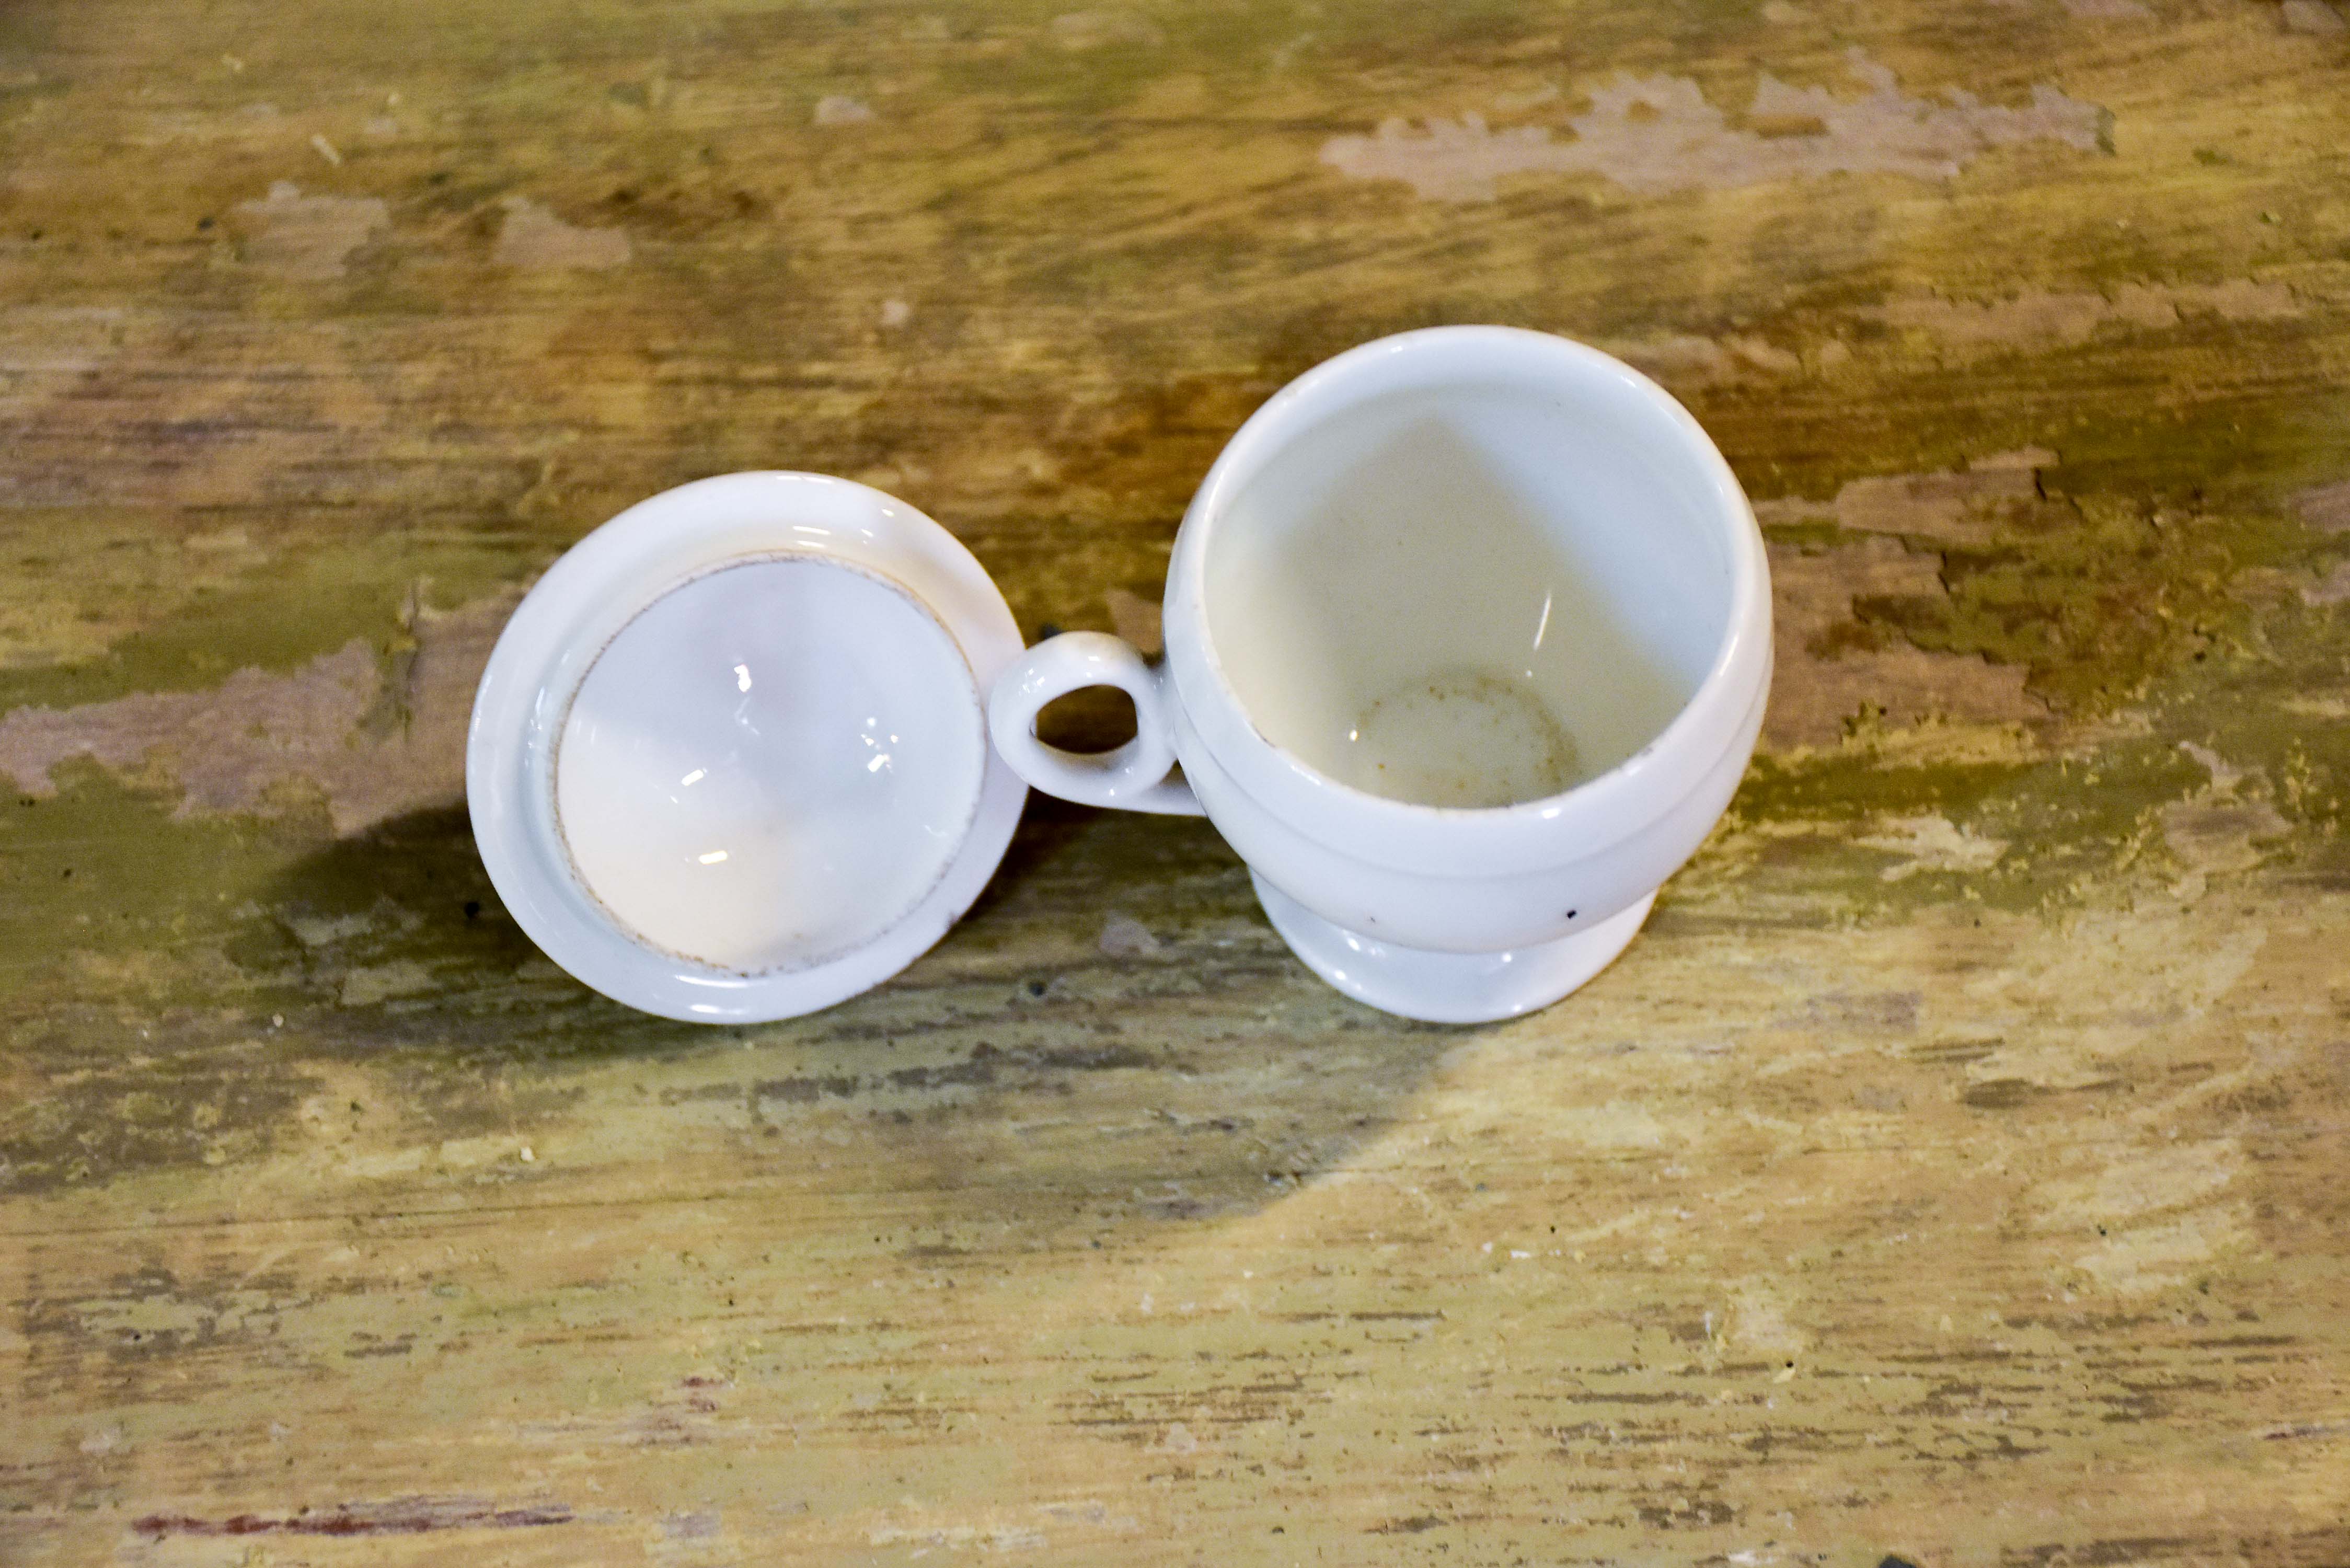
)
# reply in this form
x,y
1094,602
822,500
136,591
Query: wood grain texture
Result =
x,y
1953,1169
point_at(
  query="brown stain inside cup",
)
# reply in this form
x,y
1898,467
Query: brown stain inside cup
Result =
x,y
1464,739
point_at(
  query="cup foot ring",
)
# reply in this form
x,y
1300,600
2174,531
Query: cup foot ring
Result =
x,y
1448,988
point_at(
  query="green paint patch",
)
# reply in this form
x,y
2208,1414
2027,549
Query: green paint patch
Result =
x,y
101,879
2282,720
2271,702
144,1104
2057,828
399,918
2202,412
1855,783
2097,609
2246,414
2070,826
275,614
236,954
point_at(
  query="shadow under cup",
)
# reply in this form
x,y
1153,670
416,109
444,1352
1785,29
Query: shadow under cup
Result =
x,y
1471,593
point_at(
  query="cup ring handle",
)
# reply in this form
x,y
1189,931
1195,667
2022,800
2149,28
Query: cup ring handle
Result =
x,y
1134,776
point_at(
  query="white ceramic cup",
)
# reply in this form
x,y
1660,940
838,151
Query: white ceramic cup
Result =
x,y
1468,642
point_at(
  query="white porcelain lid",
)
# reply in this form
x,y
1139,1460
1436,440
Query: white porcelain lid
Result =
x,y
729,762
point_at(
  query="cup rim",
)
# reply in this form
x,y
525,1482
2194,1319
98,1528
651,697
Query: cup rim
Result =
x,y
1467,840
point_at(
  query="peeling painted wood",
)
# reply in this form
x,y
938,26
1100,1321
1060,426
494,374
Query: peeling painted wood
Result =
x,y
1951,1173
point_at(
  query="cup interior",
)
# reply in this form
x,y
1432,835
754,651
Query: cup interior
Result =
x,y
771,765
1475,589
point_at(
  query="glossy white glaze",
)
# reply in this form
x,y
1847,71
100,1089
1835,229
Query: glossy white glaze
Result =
x,y
1506,532
1448,988
775,633
1466,593
771,765
1134,775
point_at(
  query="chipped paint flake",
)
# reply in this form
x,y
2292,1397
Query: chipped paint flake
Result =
x,y
2038,318
2213,834
1123,936
698,1525
2178,1176
1683,360
992,1537
1966,507
310,237
2312,17
1657,134
2220,829
1830,666
1826,676
2115,986
1931,842
2332,589
535,240
375,744
1758,1321
835,108
368,984
1080,31
2149,1257
2325,508
2225,776
1676,357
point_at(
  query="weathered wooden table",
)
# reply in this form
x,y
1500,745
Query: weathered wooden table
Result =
x,y
1955,1169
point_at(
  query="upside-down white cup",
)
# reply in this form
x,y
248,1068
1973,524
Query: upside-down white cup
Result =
x,y
1467,643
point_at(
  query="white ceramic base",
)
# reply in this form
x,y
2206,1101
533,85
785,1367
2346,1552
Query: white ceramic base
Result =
x,y
1447,988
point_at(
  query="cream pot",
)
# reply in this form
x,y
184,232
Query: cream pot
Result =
x,y
1467,639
